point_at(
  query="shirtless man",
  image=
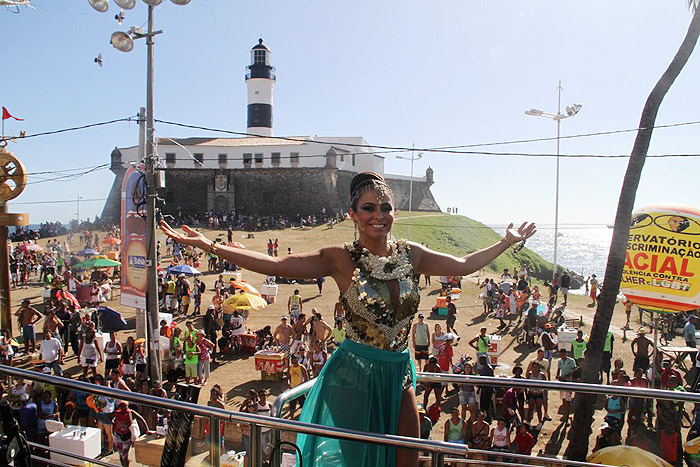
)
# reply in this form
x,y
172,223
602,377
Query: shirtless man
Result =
x,y
283,335
53,324
642,349
320,330
339,310
27,315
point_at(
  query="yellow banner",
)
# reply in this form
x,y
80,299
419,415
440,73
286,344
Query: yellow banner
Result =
x,y
662,266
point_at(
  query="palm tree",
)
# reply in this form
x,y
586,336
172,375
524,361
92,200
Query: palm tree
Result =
x,y
584,403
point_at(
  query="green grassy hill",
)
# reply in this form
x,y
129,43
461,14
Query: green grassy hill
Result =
x,y
459,235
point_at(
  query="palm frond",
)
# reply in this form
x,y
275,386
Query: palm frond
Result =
x,y
693,4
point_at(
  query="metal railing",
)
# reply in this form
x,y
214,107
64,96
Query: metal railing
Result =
x,y
438,449
446,378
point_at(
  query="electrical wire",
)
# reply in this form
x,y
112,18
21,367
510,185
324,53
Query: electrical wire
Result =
x,y
449,149
59,201
81,127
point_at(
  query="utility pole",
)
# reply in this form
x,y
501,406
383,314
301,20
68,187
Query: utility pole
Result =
x,y
151,260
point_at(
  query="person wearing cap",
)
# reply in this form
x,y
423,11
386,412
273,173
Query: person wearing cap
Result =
x,y
420,337
283,334
642,349
28,316
605,438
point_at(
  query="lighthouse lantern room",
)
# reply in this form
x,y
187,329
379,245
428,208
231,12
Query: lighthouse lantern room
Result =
x,y
260,78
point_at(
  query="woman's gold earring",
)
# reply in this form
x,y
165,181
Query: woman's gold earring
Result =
x,y
356,231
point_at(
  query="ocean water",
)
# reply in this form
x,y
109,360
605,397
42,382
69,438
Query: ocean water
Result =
x,y
582,248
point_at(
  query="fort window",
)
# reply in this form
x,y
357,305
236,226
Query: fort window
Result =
x,y
294,157
248,158
258,158
342,158
199,159
223,158
353,160
169,157
275,158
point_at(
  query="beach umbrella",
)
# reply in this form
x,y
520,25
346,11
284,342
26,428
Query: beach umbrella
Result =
x,y
243,301
627,456
183,269
113,255
95,263
112,241
110,319
245,287
63,295
87,252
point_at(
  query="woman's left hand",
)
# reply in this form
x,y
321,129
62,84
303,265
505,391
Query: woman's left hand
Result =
x,y
524,232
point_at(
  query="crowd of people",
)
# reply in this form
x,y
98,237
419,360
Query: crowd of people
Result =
x,y
503,420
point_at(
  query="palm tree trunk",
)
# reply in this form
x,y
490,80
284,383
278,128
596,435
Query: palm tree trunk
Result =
x,y
584,403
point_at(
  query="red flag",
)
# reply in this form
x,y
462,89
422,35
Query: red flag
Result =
x,y
6,115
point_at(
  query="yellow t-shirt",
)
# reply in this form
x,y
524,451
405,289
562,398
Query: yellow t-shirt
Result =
x,y
296,375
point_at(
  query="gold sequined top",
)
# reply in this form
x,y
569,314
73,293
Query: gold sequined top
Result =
x,y
369,312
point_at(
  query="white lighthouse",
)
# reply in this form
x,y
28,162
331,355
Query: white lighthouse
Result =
x,y
260,78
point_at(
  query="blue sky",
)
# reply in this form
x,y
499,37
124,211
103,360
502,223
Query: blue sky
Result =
x,y
396,72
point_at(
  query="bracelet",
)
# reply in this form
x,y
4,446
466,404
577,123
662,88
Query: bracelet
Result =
x,y
213,249
503,239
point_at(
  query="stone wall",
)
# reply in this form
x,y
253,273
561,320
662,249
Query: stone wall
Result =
x,y
286,192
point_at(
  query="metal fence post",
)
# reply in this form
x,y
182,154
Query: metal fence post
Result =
x,y
256,445
214,441
438,459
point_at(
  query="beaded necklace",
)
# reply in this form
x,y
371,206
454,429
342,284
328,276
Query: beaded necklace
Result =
x,y
395,266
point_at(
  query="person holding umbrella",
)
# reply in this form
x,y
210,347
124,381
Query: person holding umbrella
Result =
x,y
375,277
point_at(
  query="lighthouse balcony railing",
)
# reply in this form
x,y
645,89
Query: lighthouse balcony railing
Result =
x,y
260,71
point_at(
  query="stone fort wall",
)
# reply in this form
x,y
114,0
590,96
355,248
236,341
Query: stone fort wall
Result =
x,y
283,191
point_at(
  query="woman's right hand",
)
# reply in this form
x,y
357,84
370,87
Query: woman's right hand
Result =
x,y
191,237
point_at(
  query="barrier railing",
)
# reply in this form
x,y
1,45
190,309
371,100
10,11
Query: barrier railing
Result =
x,y
438,449
446,378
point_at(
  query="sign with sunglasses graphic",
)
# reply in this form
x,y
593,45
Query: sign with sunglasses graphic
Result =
x,y
662,266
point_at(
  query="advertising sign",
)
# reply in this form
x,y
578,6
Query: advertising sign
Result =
x,y
133,211
662,266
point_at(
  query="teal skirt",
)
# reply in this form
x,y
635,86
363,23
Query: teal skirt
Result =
x,y
359,388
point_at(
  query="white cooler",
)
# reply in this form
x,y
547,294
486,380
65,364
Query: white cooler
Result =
x,y
69,440
565,337
269,292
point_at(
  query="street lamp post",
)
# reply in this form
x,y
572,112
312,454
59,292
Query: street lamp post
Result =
x,y
77,213
570,112
410,189
123,42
